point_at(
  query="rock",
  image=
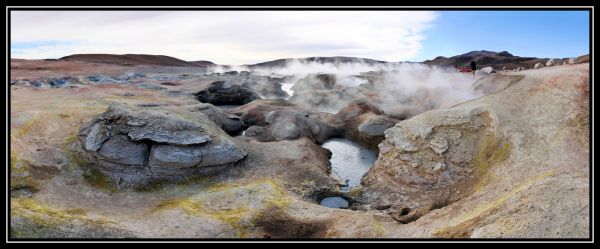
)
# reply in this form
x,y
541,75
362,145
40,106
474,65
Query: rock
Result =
x,y
151,86
170,83
123,141
356,109
439,145
47,162
120,149
538,65
285,131
406,215
150,105
221,152
583,59
376,125
553,62
504,154
60,82
221,93
364,123
102,79
572,61
487,70
171,156
267,88
169,129
99,133
281,120
232,124
429,139
440,167
270,117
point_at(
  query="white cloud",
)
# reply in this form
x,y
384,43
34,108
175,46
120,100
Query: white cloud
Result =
x,y
225,37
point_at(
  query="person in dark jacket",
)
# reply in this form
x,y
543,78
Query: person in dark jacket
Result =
x,y
473,67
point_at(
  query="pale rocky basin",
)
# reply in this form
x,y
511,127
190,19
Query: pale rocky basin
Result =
x,y
511,164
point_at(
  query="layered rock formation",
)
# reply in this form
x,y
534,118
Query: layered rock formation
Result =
x,y
134,146
510,164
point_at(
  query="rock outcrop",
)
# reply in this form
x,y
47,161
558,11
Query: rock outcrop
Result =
x,y
510,164
364,123
134,146
276,120
430,159
230,123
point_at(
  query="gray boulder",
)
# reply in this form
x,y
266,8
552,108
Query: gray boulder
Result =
x,y
376,125
276,120
171,156
121,149
230,123
365,123
134,145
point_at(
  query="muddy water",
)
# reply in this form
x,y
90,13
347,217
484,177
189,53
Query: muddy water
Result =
x,y
334,202
349,160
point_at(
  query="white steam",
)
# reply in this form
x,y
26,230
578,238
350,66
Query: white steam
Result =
x,y
399,89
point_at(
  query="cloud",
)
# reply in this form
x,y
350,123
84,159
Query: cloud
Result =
x,y
226,37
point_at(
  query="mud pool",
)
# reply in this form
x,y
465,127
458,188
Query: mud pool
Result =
x,y
349,160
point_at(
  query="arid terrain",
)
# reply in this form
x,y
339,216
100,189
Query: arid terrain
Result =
x,y
143,146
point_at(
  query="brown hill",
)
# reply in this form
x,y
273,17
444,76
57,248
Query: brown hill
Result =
x,y
484,58
131,59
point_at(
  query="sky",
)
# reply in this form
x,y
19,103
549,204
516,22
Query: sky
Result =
x,y
247,37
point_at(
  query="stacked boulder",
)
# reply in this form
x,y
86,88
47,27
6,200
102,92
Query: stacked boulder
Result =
x,y
134,146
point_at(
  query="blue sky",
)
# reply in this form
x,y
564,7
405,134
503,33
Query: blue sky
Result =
x,y
523,33
239,37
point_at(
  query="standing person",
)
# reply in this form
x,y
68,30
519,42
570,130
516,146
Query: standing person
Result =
x,y
473,68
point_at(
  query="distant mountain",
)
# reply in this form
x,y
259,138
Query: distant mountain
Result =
x,y
322,60
131,59
484,58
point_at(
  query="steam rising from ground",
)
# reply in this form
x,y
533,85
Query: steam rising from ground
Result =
x,y
399,89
